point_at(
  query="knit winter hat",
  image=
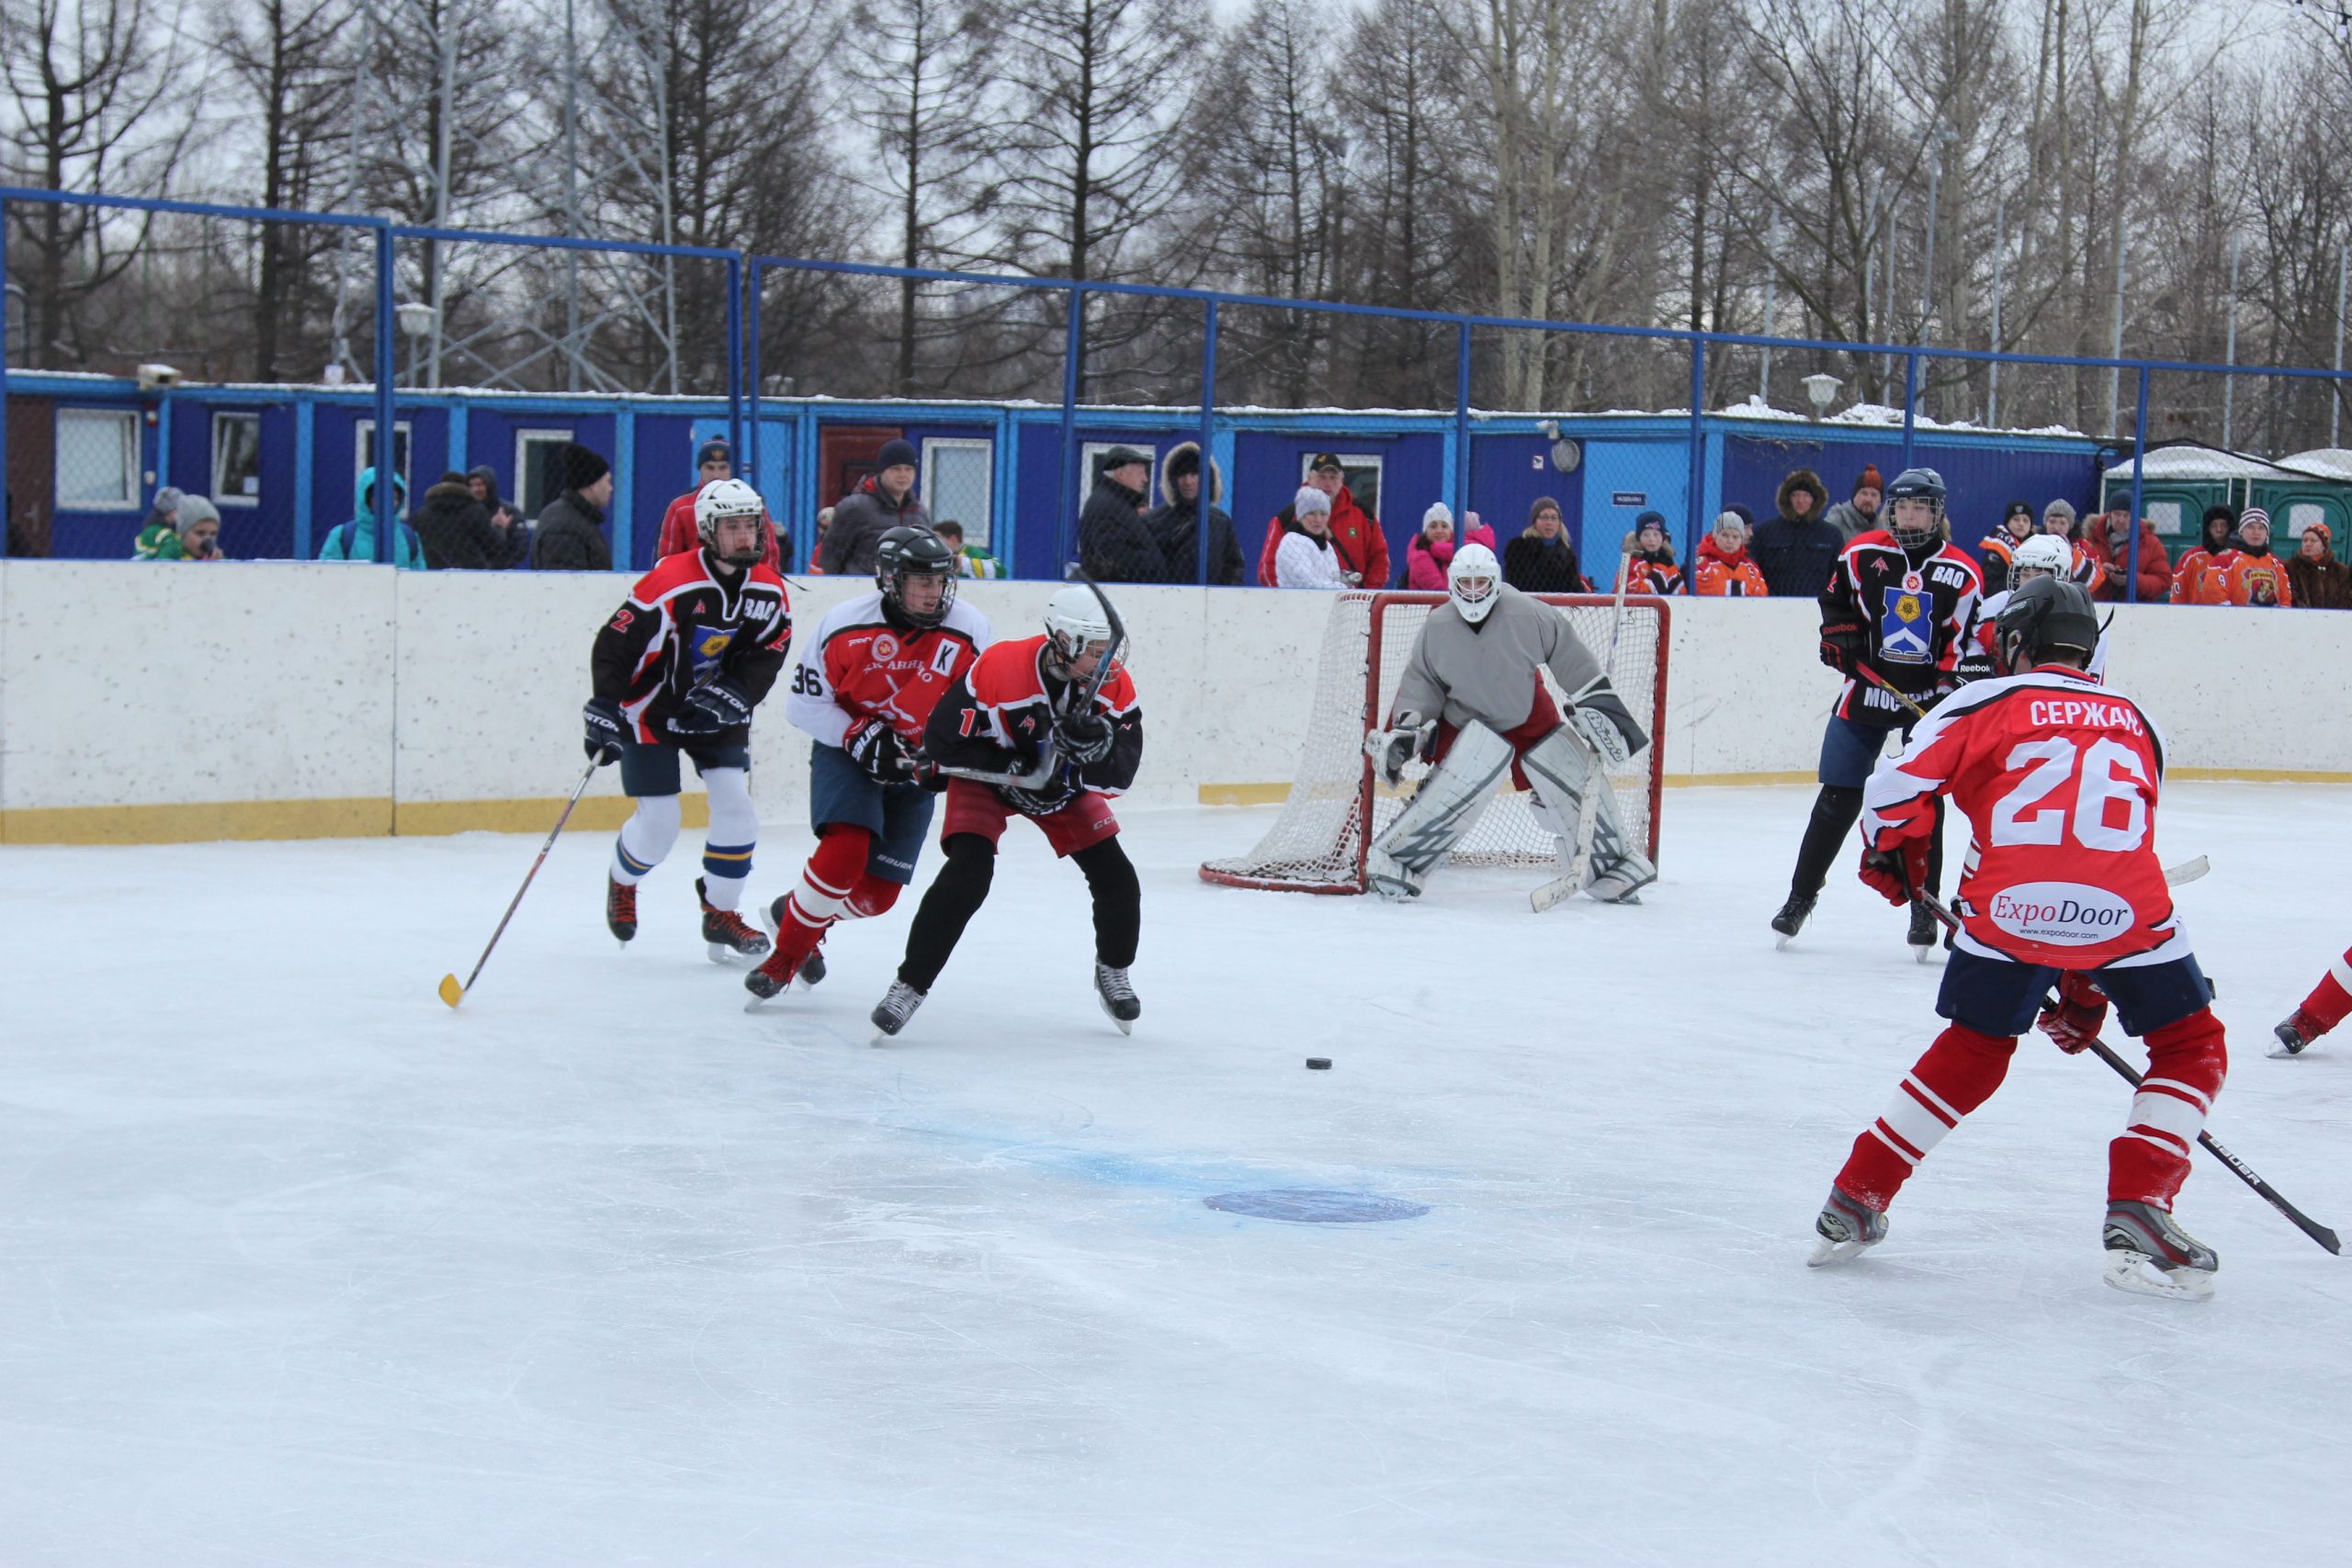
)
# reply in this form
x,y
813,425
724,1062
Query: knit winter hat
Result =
x,y
583,468
1869,479
168,499
2017,509
1309,501
2253,517
2058,509
1439,512
1648,521
896,453
714,451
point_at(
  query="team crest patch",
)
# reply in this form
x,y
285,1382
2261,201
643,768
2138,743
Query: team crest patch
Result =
x,y
1903,632
885,649
705,646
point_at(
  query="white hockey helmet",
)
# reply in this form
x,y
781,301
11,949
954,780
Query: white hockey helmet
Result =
x,y
722,499
1474,579
2046,554
1075,622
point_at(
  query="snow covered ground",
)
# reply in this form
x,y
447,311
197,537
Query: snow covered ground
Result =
x,y
299,1267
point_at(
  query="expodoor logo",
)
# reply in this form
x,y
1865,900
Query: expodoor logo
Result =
x,y
2065,914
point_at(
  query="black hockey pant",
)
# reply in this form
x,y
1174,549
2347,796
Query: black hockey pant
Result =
x,y
962,888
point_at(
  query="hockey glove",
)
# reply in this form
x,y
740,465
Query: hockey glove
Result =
x,y
709,709
1408,735
1892,873
601,718
1600,732
1085,737
2074,1017
1043,801
1843,643
874,746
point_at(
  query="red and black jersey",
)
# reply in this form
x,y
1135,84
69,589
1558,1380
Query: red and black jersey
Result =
x,y
997,717
1916,612
861,664
2058,778
682,626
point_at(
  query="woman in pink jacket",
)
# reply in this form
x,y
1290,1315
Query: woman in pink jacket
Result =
x,y
1432,550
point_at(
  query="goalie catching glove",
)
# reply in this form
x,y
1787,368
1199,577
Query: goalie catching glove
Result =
x,y
1408,735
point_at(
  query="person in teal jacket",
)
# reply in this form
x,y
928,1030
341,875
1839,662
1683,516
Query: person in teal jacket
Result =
x,y
355,540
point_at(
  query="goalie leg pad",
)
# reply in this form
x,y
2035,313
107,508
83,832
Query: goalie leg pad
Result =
x,y
1559,769
1441,811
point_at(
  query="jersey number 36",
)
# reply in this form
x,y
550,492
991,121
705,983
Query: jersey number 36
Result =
x,y
2108,775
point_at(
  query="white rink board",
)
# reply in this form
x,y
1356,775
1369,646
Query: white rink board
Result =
x,y
301,1267
126,683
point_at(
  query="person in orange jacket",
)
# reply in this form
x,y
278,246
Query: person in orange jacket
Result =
x,y
1356,537
2250,574
1650,569
2221,522
713,460
1724,568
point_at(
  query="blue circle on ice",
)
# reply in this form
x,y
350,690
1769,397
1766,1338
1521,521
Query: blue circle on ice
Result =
x,y
1308,1206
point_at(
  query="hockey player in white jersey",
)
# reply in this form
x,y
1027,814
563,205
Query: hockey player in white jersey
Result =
x,y
1472,702
2040,555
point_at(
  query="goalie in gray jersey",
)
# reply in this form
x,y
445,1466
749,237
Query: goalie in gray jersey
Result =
x,y
1472,702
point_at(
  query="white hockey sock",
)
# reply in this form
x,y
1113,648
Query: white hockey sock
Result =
x,y
728,843
645,839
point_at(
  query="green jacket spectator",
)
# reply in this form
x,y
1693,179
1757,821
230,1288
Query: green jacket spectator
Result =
x,y
970,559
198,537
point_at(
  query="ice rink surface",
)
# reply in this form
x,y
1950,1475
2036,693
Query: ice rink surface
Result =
x,y
299,1267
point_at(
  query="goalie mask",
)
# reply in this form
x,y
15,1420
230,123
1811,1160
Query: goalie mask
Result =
x,y
916,572
1075,626
2043,618
1475,581
1914,508
2043,555
721,499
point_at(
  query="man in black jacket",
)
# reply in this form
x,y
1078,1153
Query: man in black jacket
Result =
x,y
1115,543
884,500
571,527
1796,549
1175,526
455,529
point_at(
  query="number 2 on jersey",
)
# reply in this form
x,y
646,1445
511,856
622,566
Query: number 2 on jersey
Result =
x,y
2107,774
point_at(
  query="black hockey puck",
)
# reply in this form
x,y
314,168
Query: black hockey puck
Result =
x,y
1320,1064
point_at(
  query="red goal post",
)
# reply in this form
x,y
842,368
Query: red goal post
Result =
x,y
1337,806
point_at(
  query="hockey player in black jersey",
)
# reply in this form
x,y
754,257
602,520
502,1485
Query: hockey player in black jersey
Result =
x,y
1894,620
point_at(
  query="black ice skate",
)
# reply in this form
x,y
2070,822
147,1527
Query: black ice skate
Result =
x,y
1117,996
897,1006
1924,932
1846,1227
620,908
732,938
2148,1254
2300,1030
1792,916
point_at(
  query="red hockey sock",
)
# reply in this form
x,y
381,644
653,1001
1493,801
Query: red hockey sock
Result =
x,y
2331,998
2187,1062
872,895
1958,1074
835,869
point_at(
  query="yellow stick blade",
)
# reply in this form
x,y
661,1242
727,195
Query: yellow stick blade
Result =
x,y
451,992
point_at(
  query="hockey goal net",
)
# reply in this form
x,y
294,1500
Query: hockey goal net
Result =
x,y
1337,805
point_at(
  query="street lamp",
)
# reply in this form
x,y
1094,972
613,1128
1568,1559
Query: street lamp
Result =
x,y
1821,387
416,322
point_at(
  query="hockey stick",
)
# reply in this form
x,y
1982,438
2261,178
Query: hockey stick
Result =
x,y
2237,1167
1883,684
452,992
1048,755
1587,808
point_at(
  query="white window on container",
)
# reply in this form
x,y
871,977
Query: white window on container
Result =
x,y
1360,471
236,459
364,458
958,480
536,452
1089,453
2303,515
2165,516
97,459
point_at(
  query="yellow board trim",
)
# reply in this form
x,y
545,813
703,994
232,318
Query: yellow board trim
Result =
x,y
363,817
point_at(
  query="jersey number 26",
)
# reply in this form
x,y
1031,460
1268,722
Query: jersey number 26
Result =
x,y
2106,775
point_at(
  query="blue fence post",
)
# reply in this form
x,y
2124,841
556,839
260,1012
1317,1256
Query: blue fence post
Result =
x,y
1073,339
8,505
388,520
1461,432
1698,450
2139,476
749,449
735,357
1910,405
305,411
1208,444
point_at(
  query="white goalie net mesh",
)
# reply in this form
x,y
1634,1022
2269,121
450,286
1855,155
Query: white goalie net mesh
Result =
x,y
1317,844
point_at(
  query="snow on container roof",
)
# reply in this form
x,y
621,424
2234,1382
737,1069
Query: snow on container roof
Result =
x,y
2327,462
2190,461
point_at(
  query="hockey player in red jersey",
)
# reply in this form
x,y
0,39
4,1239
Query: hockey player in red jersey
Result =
x,y
678,669
864,686
1010,717
1894,619
2058,775
2325,1008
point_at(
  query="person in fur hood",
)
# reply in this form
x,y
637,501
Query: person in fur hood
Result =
x,y
1174,524
1796,549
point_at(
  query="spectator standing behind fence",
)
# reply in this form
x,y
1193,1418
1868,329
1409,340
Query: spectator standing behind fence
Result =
x,y
198,537
1308,555
2247,575
1860,515
514,534
1355,534
455,529
817,546
1115,543
1542,560
970,560
1651,567
884,500
2220,528
1723,569
1797,548
2107,537
2058,518
2320,580
162,522
1998,548
355,540
713,460
1431,552
571,527
1175,523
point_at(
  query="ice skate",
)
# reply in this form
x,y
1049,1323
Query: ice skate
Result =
x,y
897,1006
620,910
1117,996
1846,1228
2300,1030
1793,917
2148,1254
775,974
1924,932
732,938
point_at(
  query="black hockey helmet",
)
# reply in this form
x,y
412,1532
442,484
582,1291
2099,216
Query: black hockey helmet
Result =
x,y
2043,615
905,552
1916,484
